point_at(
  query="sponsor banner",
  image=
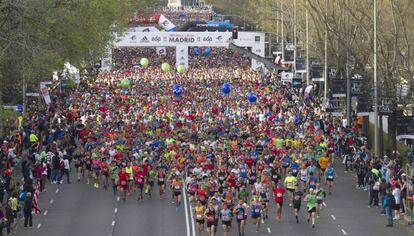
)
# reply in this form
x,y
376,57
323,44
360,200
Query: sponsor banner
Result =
x,y
191,39
162,51
332,73
166,24
300,65
405,127
142,29
286,76
316,73
386,107
338,88
45,92
364,106
181,56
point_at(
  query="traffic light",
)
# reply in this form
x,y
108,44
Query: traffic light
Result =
x,y
235,32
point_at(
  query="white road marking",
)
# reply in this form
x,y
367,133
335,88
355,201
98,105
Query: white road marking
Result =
x,y
118,199
324,204
116,210
193,228
343,231
51,201
45,213
333,217
268,230
113,223
57,190
39,225
187,222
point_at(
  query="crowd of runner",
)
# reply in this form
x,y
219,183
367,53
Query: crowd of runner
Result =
x,y
234,158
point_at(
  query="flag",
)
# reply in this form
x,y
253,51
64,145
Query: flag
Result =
x,y
36,199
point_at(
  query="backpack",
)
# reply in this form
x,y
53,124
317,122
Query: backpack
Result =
x,y
392,201
22,195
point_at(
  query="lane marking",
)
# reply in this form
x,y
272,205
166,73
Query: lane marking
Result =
x,y
118,198
113,223
187,223
57,190
343,231
268,230
51,201
193,228
38,226
333,217
116,210
45,213
324,204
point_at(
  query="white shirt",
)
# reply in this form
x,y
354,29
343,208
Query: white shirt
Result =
x,y
66,163
397,194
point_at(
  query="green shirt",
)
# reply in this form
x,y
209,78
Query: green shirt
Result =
x,y
311,201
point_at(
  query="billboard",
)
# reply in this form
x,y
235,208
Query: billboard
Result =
x,y
405,127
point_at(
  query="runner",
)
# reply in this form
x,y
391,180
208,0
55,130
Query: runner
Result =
x,y
226,218
290,183
279,193
240,211
211,217
330,176
139,177
297,201
256,207
161,181
177,189
199,210
320,196
105,173
310,200
114,169
123,183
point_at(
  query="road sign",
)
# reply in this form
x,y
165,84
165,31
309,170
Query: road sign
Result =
x,y
19,108
386,107
32,94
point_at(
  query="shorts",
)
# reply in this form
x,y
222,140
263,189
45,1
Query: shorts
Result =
x,y
124,187
160,183
313,209
226,223
329,179
209,224
176,193
200,221
323,169
280,204
140,186
151,183
319,201
296,206
240,220
397,207
106,174
255,216
290,190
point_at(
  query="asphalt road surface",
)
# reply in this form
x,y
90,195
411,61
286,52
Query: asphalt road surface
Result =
x,y
78,209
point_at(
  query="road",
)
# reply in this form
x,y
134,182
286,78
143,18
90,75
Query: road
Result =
x,y
78,209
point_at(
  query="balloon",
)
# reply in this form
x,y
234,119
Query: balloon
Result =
x,y
177,90
207,52
197,52
252,97
144,62
226,88
165,67
125,83
181,69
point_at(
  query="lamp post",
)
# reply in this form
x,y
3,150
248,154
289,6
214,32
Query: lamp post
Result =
x,y
307,43
325,87
376,138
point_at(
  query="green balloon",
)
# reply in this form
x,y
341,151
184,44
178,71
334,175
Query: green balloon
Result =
x,y
181,69
144,62
125,83
165,67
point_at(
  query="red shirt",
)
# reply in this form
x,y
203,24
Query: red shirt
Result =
x,y
201,193
123,176
279,192
139,177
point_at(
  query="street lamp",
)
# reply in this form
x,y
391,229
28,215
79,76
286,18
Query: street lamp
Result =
x,y
376,138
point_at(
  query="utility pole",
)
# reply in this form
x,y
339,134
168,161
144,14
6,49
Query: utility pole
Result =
x,y
294,38
282,29
376,140
325,87
307,43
